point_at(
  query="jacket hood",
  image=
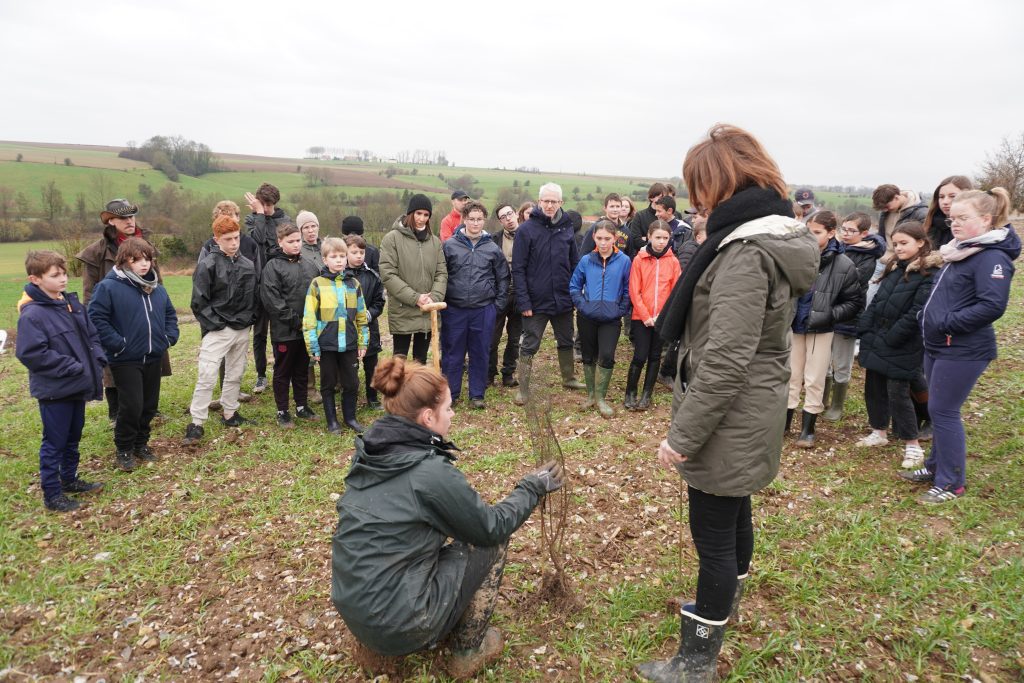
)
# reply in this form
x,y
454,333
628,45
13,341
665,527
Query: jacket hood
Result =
x,y
286,257
873,244
343,274
34,295
391,446
788,242
460,234
912,200
117,275
560,220
1004,239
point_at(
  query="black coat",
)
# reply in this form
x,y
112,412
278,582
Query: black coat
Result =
x,y
283,288
938,232
373,298
224,292
263,229
890,335
836,296
864,255
638,230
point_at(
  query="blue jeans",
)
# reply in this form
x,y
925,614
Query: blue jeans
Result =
x,y
949,384
465,329
58,453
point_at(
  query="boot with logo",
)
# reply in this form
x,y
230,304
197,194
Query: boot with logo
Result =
x,y
588,378
632,380
565,365
835,410
604,378
696,662
525,370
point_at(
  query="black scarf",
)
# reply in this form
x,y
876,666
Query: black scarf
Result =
x,y
656,254
746,205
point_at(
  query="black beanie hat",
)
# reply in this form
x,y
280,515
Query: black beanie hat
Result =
x,y
420,201
352,225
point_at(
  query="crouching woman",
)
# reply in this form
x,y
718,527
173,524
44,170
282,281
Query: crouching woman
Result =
x,y
417,555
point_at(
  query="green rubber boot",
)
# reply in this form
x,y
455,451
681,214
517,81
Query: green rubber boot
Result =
x,y
565,365
604,378
588,377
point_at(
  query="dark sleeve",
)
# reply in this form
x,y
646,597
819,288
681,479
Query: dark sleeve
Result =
x,y
501,279
636,236
851,297
574,254
35,352
624,302
376,303
588,243
171,322
991,295
275,298
520,253
202,284
907,326
100,313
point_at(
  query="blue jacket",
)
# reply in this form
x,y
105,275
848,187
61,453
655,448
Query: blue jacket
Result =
x,y
600,288
543,257
478,273
967,297
134,327
59,346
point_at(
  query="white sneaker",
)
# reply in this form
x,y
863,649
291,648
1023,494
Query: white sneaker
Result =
x,y
873,439
913,458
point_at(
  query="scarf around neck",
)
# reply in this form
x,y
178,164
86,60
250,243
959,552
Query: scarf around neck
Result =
x,y
146,286
958,251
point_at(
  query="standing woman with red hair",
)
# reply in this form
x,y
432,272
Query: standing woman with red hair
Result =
x,y
731,312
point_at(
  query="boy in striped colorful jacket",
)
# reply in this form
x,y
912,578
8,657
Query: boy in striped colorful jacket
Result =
x,y
336,329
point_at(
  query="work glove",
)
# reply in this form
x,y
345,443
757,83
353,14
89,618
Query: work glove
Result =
x,y
550,475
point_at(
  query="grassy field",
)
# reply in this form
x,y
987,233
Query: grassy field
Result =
x,y
215,561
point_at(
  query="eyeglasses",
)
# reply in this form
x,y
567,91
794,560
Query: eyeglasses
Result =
x,y
849,231
505,216
959,219
551,201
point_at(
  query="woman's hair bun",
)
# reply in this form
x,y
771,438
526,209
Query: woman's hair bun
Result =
x,y
389,377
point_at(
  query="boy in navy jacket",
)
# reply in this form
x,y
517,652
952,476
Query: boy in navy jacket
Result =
x,y
60,348
136,324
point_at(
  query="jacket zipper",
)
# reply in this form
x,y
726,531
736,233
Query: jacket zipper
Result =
x,y
147,303
924,311
657,273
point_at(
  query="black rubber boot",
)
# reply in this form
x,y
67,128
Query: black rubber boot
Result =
x,y
700,641
111,395
827,392
835,410
649,379
632,380
789,419
331,412
348,411
806,439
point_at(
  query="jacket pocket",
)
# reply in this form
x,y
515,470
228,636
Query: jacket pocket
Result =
x,y
600,311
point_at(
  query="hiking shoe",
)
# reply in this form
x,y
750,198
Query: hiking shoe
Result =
x,y
145,454
873,439
80,486
243,397
235,420
477,404
126,461
215,405
464,664
913,457
306,413
260,386
373,405
919,476
925,432
284,420
509,381
193,434
61,503
943,494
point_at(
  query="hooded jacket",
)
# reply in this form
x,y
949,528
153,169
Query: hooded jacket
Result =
x,y
263,229
600,287
247,247
588,245
865,255
836,296
970,294
373,298
134,326
98,258
890,336
450,225
334,317
478,274
410,267
543,258
729,404
651,280
224,291
392,582
60,347
283,287
913,210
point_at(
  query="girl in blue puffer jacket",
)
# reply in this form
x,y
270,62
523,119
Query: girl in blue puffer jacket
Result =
x,y
599,288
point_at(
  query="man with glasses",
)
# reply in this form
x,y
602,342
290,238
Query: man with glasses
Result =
x,y
451,222
510,319
543,258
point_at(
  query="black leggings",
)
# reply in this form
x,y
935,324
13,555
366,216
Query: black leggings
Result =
x,y
724,536
646,345
598,340
138,388
887,398
420,345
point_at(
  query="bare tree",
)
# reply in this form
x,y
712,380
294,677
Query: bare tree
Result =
x,y
102,190
1005,168
53,202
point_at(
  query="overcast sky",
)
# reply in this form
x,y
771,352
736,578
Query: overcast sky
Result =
x,y
856,93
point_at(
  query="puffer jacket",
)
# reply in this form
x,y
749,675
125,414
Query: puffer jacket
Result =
x,y
331,299
544,255
134,326
60,347
392,583
651,280
283,287
913,210
970,293
865,255
836,296
890,336
478,274
263,229
98,258
373,298
729,404
224,291
410,267
600,287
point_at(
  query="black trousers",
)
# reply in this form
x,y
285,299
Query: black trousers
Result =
x,y
724,536
646,345
259,340
533,330
369,367
511,321
478,593
291,367
887,398
138,391
339,370
420,345
598,340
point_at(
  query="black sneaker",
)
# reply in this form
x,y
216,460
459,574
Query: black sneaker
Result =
x,y
80,486
193,434
509,381
61,503
918,476
477,404
305,413
126,461
145,454
373,405
284,420
235,420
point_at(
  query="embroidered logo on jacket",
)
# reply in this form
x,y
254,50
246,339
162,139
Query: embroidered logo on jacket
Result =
x,y
997,272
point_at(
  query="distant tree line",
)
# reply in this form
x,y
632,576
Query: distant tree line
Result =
x,y
174,155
